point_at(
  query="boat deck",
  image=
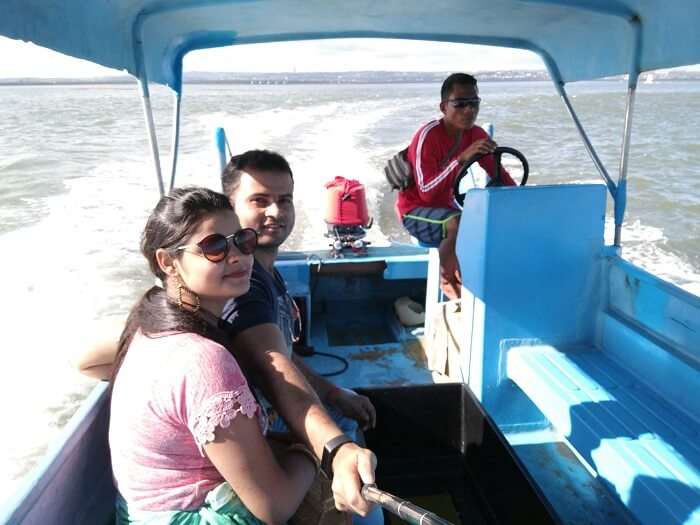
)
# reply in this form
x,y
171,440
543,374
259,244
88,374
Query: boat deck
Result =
x,y
348,307
378,350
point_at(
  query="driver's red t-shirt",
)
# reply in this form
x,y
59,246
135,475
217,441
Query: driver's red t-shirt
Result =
x,y
435,170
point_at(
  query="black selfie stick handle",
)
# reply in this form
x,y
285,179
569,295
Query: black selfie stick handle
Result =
x,y
405,510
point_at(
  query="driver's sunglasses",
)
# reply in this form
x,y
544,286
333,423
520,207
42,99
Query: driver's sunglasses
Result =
x,y
216,247
463,102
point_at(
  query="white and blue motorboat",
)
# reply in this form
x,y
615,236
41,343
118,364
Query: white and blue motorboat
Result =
x,y
567,391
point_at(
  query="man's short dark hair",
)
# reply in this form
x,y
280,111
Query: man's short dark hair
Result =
x,y
456,79
255,159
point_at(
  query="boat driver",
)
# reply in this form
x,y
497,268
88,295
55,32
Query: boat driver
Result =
x,y
436,154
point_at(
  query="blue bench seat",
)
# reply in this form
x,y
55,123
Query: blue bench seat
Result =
x,y
645,449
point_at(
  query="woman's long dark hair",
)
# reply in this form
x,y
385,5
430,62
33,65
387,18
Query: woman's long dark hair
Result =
x,y
175,217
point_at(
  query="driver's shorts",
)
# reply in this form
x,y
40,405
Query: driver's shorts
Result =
x,y
429,225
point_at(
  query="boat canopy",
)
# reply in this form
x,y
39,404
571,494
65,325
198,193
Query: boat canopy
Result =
x,y
577,39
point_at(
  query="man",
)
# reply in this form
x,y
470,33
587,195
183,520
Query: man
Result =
x,y
436,154
260,185
261,323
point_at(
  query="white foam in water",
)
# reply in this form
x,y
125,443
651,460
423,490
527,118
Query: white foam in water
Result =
x,y
643,246
266,128
320,161
326,129
64,271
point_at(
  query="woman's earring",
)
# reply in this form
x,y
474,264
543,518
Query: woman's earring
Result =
x,y
181,302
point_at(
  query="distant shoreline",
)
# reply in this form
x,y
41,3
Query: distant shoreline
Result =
x,y
353,77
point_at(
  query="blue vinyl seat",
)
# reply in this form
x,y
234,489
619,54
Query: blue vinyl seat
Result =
x,y
643,447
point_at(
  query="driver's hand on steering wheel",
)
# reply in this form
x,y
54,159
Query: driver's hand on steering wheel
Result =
x,y
480,147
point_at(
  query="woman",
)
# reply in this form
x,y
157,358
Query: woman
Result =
x,y
186,434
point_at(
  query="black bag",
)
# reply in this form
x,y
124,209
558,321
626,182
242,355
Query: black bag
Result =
x,y
398,171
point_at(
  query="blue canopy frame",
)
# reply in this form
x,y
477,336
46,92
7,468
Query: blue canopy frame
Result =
x,y
577,39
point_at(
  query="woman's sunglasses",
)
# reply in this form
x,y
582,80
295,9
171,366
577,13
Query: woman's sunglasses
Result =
x,y
215,247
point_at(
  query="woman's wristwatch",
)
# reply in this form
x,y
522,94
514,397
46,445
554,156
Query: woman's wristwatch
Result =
x,y
330,450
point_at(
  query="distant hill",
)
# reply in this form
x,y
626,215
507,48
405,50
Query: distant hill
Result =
x,y
355,77
348,77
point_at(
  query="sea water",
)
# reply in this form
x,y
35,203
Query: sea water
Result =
x,y
77,183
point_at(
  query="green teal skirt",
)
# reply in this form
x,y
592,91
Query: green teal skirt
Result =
x,y
222,506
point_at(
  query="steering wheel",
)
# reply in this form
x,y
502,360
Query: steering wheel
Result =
x,y
496,180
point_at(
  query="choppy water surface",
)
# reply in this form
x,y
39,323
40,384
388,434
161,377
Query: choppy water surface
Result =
x,y
76,184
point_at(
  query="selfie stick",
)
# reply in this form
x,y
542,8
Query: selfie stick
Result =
x,y
405,510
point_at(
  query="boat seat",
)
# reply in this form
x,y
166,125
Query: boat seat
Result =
x,y
643,447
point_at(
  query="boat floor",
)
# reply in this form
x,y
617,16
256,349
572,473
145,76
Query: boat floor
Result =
x,y
382,353
379,351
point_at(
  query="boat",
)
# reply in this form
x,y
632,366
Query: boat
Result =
x,y
565,392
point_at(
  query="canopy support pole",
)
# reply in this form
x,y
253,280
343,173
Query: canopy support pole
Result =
x,y
619,191
632,79
176,139
150,124
586,142
142,78
621,197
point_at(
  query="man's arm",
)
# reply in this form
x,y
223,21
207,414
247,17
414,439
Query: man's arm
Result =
x,y
97,359
349,403
433,174
261,350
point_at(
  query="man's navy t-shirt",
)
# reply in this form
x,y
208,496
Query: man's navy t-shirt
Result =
x,y
267,301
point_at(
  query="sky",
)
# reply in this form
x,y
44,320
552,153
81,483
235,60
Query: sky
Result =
x,y
21,59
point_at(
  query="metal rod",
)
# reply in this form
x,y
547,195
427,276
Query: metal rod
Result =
x,y
621,198
142,78
152,139
405,510
589,147
176,139
632,80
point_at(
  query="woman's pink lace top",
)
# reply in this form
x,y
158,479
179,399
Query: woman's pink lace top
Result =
x,y
170,395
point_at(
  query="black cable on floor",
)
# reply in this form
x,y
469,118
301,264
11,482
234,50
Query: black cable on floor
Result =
x,y
337,357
